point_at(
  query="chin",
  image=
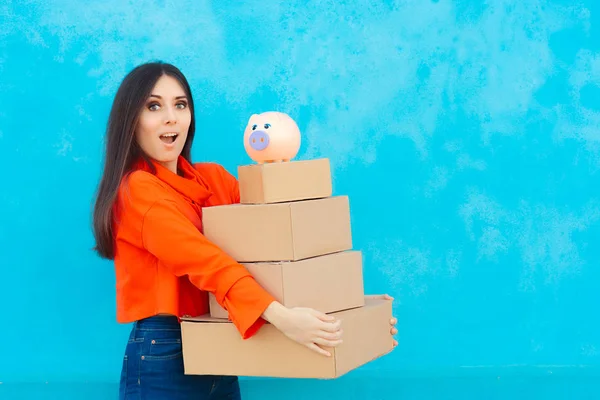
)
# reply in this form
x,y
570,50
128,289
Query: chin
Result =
x,y
168,159
164,157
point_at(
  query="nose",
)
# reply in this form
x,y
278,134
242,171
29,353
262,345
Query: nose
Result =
x,y
171,116
259,140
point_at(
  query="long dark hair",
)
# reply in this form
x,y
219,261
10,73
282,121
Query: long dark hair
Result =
x,y
122,149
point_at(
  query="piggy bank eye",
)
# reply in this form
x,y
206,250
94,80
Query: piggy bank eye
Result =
x,y
254,127
267,126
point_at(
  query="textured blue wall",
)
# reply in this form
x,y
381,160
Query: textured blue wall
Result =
x,y
466,134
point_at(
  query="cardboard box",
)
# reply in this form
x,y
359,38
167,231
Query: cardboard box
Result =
x,y
285,181
214,346
328,283
287,231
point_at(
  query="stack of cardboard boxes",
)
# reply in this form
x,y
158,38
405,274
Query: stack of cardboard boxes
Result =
x,y
295,238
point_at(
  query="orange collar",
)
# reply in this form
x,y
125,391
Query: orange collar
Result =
x,y
190,185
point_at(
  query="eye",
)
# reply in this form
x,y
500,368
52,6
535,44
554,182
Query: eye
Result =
x,y
267,126
182,105
153,106
254,127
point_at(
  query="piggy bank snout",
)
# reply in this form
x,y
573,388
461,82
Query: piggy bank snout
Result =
x,y
258,140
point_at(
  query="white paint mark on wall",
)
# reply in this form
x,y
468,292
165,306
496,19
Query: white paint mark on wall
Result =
x,y
438,181
25,25
411,269
442,175
403,265
480,208
465,161
65,145
541,234
545,241
82,113
491,244
453,258
590,350
536,346
574,120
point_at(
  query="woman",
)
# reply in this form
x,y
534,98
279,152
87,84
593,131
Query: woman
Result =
x,y
147,218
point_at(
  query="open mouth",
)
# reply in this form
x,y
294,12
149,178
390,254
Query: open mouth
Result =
x,y
169,138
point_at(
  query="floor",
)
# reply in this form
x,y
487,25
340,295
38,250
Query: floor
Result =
x,y
513,387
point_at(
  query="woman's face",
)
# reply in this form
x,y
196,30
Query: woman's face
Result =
x,y
164,122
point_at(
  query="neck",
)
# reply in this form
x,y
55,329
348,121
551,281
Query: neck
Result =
x,y
170,165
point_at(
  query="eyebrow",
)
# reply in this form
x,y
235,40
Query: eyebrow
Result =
x,y
176,98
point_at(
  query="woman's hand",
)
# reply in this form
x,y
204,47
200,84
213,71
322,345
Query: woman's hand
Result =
x,y
306,326
393,321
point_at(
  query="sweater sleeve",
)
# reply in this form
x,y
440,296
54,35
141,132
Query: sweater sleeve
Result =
x,y
172,238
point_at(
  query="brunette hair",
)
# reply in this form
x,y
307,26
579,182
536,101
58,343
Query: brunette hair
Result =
x,y
122,149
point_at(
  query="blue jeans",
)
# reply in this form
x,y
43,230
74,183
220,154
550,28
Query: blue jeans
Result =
x,y
153,367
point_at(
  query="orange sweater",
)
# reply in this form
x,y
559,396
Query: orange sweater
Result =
x,y
163,262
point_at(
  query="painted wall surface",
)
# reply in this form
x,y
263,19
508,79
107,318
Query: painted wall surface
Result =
x,y
466,133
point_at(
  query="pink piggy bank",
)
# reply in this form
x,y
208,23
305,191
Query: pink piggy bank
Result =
x,y
271,136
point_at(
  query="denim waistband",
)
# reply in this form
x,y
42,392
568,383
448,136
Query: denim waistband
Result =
x,y
158,322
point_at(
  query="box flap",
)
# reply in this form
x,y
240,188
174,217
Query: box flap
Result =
x,y
205,318
371,301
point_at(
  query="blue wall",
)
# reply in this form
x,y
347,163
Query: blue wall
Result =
x,y
465,133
